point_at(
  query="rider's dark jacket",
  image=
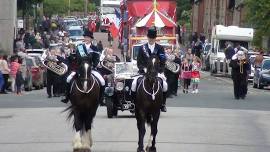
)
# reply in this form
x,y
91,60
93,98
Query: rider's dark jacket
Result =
x,y
144,53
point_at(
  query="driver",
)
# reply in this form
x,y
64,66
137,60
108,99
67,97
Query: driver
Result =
x,y
145,51
90,50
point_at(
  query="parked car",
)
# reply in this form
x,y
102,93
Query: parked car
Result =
x,y
75,34
252,56
27,74
262,75
36,71
37,54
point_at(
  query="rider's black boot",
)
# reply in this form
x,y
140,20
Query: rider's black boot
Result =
x,y
163,106
101,95
67,92
133,95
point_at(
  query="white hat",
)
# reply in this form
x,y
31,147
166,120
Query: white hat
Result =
x,y
241,55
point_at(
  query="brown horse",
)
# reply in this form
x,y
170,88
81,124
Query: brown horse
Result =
x,y
148,101
84,98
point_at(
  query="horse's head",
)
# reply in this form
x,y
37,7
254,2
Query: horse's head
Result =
x,y
152,68
84,72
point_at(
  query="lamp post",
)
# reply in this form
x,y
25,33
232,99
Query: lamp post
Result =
x,y
85,7
68,7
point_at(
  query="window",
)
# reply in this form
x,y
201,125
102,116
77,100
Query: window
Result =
x,y
266,65
75,32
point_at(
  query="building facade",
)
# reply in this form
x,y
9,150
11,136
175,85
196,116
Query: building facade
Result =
x,y
208,13
8,18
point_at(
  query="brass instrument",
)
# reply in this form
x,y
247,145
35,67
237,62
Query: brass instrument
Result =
x,y
242,62
51,64
170,65
108,63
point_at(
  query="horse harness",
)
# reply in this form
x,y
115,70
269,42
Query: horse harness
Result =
x,y
82,91
153,94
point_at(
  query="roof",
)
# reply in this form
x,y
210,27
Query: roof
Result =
x,y
155,18
165,6
233,33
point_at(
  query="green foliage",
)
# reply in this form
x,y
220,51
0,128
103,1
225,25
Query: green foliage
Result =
x,y
51,7
184,11
62,6
259,17
26,6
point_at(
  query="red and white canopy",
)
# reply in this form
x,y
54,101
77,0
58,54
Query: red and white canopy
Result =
x,y
155,18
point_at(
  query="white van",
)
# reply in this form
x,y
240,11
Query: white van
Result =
x,y
220,35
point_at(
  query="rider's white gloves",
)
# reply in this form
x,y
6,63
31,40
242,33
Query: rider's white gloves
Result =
x,y
69,78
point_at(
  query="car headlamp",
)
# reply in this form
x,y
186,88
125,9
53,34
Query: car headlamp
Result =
x,y
119,86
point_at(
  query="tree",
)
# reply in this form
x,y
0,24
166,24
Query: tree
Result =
x,y
51,7
62,6
259,17
184,10
27,6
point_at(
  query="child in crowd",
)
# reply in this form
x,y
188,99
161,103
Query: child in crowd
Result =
x,y
14,67
19,82
195,75
186,74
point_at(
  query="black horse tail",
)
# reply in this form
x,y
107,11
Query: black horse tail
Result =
x,y
70,113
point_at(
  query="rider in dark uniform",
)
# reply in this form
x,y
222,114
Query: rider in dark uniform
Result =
x,y
145,51
87,50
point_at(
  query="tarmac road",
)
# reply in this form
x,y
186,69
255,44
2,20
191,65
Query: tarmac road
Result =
x,y
211,121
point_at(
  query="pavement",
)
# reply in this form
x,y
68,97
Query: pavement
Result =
x,y
180,129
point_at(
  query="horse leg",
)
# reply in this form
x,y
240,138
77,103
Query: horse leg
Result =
x,y
87,137
77,141
141,129
154,131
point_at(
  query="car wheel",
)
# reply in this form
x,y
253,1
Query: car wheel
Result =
x,y
110,107
259,85
37,87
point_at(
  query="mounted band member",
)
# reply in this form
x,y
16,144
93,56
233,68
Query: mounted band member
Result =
x,y
145,51
82,51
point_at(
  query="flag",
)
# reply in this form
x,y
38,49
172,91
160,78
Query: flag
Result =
x,y
115,25
114,30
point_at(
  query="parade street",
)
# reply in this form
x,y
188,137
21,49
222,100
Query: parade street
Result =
x,y
211,121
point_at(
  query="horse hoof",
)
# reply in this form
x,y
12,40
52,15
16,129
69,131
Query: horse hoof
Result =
x,y
76,150
140,150
81,150
151,149
86,150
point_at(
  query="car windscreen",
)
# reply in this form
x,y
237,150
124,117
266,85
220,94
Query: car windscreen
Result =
x,y
72,23
39,52
234,43
75,32
266,65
